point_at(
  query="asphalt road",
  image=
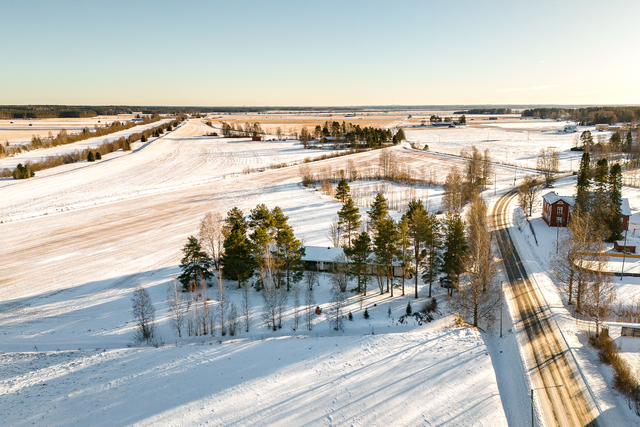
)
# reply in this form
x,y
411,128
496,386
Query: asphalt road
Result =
x,y
560,406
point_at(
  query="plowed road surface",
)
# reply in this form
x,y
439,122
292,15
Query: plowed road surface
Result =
x,y
548,359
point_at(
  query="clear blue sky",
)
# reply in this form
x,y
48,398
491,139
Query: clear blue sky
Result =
x,y
319,52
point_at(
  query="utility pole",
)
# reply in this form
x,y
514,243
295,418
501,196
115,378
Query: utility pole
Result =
x,y
540,388
624,251
501,292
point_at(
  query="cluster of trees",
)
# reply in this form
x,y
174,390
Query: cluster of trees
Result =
x,y
420,245
615,144
23,172
580,265
459,189
234,130
587,116
63,137
599,195
236,248
353,135
486,111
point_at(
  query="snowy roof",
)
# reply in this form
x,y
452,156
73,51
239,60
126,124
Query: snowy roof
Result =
x,y
321,253
624,208
551,197
629,243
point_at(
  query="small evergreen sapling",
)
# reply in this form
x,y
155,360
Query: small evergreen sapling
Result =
x,y
366,313
350,316
98,155
409,311
90,157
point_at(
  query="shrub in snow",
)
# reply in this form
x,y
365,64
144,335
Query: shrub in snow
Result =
x,y
366,313
409,311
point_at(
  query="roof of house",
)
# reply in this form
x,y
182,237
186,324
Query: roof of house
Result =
x,y
321,253
551,197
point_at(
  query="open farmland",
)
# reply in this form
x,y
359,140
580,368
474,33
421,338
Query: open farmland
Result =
x,y
77,240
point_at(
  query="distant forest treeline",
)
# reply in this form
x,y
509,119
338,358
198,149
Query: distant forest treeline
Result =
x,y
590,115
485,111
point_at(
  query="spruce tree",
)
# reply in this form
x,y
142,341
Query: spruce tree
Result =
x,y
237,261
90,157
615,203
379,211
384,246
349,219
456,248
195,264
601,198
358,255
583,193
417,215
288,254
432,257
98,155
342,191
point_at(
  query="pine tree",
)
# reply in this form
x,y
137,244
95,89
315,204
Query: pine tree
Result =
x,y
349,219
90,157
358,255
433,245
455,255
98,155
234,216
288,254
600,205
586,139
237,261
195,264
404,245
379,211
343,190
418,233
615,203
628,142
384,247
583,193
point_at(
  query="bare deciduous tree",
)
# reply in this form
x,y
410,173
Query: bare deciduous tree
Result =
x,y
247,307
601,292
335,233
527,193
336,307
388,162
232,319
223,305
296,306
340,276
309,302
211,237
176,306
452,196
144,314
478,296
547,163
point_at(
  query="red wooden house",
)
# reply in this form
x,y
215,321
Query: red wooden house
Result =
x,y
556,209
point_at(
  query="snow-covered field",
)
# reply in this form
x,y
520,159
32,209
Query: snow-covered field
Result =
x,y
514,143
37,155
76,240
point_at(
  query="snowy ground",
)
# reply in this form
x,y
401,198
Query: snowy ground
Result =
x,y
529,136
76,241
37,155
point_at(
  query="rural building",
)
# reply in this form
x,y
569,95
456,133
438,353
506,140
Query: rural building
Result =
x,y
322,258
555,209
620,246
445,124
570,128
256,138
